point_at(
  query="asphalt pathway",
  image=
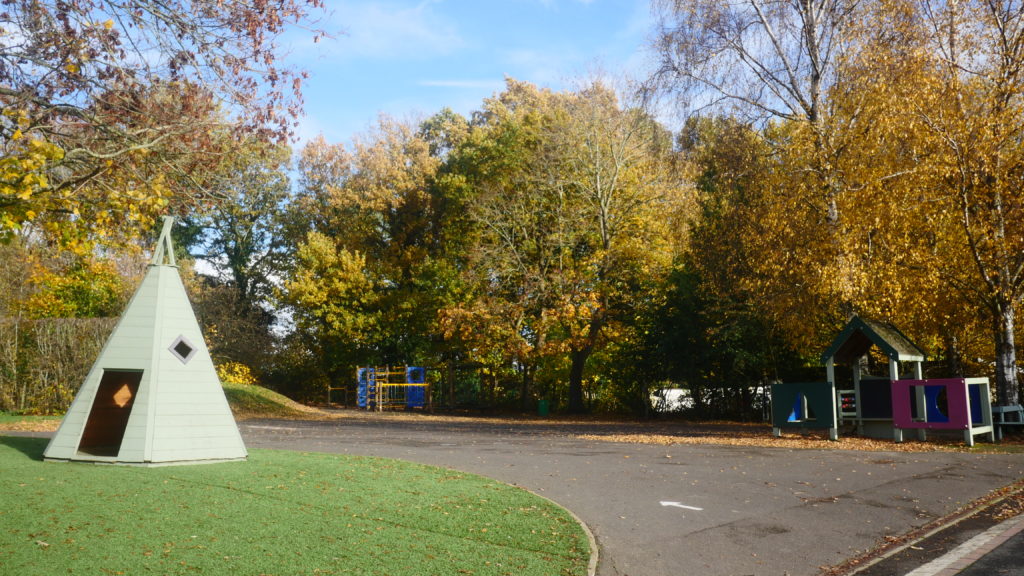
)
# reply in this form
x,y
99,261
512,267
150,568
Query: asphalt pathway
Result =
x,y
682,509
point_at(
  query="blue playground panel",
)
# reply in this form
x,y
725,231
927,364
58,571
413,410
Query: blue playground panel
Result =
x,y
931,401
974,393
935,413
798,409
366,387
415,396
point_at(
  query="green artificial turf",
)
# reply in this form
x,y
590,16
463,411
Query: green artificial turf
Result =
x,y
280,513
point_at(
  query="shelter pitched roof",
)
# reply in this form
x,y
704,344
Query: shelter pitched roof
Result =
x,y
859,335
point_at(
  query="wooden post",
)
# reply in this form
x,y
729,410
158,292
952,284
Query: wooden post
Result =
x,y
986,410
894,374
451,384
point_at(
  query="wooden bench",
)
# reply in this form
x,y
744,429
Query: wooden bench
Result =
x,y
1007,416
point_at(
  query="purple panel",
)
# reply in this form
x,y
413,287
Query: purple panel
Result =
x,y
956,400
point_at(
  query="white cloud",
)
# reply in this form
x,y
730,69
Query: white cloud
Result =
x,y
392,30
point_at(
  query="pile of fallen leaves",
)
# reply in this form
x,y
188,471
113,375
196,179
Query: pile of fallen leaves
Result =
x,y
31,425
764,438
1010,507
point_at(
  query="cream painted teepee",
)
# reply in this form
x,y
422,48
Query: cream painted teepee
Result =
x,y
153,396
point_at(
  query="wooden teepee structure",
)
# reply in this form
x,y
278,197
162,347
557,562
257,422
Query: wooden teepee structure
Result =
x,y
153,396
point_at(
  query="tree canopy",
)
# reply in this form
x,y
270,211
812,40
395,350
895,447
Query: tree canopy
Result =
x,y
836,157
109,110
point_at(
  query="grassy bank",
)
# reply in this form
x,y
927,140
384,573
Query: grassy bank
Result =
x,y
280,513
250,401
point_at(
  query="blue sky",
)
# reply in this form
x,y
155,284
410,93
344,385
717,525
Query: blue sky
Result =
x,y
410,58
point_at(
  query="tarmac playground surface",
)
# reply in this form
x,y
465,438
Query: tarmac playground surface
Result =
x,y
710,509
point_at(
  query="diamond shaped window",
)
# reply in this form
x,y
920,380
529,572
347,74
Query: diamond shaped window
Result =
x,y
182,349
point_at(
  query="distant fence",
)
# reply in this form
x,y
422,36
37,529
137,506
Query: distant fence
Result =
x,y
43,362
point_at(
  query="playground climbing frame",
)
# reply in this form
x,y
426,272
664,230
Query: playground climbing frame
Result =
x,y
390,388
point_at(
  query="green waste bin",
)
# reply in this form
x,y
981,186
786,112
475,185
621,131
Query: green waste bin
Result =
x,y
542,407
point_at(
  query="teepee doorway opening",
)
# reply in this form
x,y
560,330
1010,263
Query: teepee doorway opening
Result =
x,y
111,408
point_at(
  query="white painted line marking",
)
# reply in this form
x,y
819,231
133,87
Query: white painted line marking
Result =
x,y
678,505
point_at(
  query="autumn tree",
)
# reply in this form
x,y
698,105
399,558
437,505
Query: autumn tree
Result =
x,y
239,244
373,261
820,224
98,97
763,58
773,64
890,187
575,203
930,107
712,334
335,306
980,88
960,125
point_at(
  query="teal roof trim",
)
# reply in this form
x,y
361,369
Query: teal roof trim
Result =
x,y
859,335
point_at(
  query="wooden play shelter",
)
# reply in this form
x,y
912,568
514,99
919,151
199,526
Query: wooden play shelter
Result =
x,y
869,402
153,396
883,406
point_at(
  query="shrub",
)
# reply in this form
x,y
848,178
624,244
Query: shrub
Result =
x,y
235,373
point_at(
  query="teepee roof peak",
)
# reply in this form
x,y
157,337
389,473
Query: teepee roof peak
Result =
x,y
163,254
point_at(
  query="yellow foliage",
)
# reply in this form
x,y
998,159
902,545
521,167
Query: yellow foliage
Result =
x,y
85,288
23,178
236,373
330,286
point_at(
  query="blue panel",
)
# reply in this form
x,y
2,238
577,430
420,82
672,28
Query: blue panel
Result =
x,y
361,389
416,396
367,387
798,410
415,375
931,399
974,393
